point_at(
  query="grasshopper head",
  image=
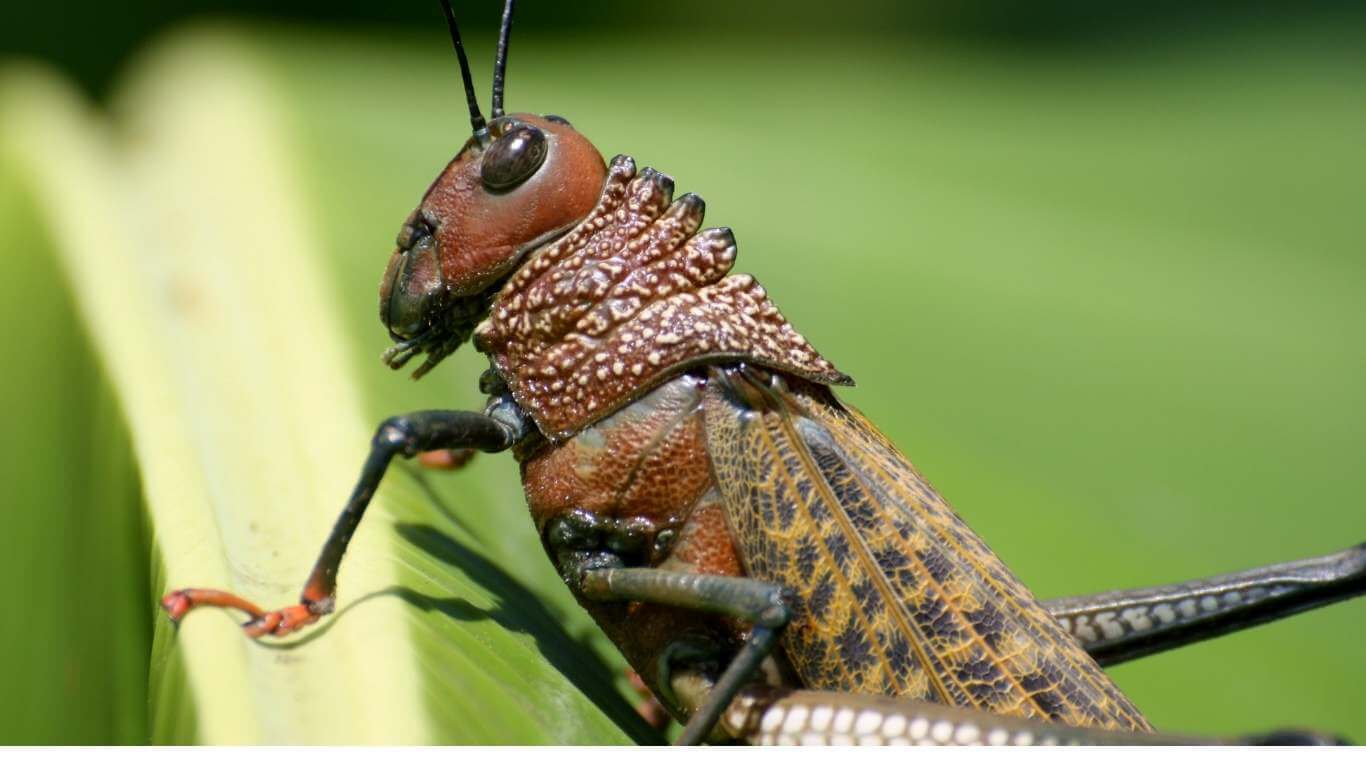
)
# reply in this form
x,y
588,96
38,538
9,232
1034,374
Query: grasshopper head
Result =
x,y
519,181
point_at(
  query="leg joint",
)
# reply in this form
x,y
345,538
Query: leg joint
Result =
x,y
396,435
776,614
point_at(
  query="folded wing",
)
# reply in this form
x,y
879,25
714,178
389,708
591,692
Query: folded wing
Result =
x,y
894,594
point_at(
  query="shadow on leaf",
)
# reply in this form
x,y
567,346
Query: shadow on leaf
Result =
x,y
519,610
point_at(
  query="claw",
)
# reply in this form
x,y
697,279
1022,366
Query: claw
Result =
x,y
176,604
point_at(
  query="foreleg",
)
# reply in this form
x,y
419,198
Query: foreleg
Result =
x,y
405,436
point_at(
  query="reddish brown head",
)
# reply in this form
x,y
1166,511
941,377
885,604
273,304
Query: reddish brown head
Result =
x,y
519,181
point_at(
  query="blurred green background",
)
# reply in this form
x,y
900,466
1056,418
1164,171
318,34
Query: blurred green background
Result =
x,y
1100,272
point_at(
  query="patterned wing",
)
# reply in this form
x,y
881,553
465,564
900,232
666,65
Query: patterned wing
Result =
x,y
895,595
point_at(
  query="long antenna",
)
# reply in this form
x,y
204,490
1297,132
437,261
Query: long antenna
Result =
x,y
481,129
500,64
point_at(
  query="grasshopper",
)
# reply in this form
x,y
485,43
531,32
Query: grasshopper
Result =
x,y
767,561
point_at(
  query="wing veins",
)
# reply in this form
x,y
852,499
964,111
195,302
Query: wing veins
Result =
x,y
839,575
941,532
879,579
997,659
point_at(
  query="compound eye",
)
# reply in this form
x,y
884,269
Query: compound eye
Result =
x,y
513,158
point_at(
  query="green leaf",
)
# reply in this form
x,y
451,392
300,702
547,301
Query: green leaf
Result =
x,y
73,575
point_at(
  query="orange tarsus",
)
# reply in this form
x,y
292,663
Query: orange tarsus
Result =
x,y
279,623
178,603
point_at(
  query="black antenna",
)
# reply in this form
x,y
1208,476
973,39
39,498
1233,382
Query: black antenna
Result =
x,y
481,130
500,64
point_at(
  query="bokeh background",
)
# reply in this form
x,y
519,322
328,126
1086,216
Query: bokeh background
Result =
x,y
1099,270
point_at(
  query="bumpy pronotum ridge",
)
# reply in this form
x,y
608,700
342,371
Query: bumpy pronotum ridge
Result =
x,y
631,295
